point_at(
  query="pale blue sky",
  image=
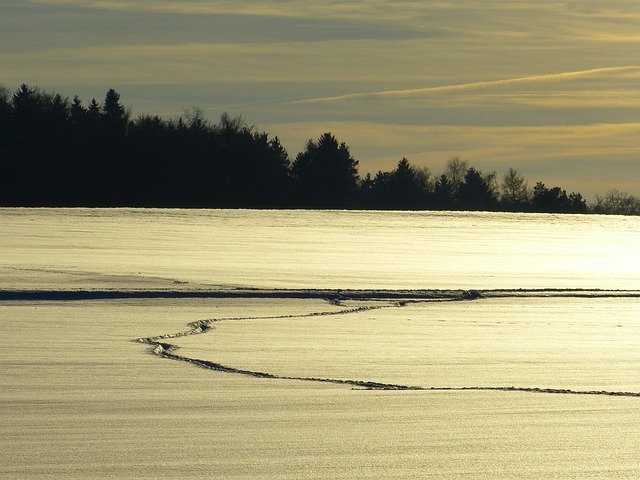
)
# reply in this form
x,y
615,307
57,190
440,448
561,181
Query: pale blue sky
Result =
x,y
549,88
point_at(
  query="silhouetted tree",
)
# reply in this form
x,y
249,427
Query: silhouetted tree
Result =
x,y
375,191
153,162
252,170
7,166
515,193
455,172
443,194
29,164
272,174
77,111
545,199
93,126
58,110
94,110
195,119
577,204
5,119
27,115
5,111
616,202
555,200
55,136
117,184
86,151
365,193
229,164
114,116
477,192
325,175
408,187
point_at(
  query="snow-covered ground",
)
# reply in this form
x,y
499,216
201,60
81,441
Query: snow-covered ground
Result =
x,y
82,398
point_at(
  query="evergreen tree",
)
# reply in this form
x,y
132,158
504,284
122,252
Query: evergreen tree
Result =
x,y
408,187
443,193
477,192
556,200
27,116
325,174
379,190
5,122
114,116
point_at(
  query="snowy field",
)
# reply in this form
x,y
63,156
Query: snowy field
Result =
x,y
271,372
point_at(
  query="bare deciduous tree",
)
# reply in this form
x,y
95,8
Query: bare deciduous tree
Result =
x,y
515,192
455,171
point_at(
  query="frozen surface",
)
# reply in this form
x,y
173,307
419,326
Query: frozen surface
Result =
x,y
88,248
578,344
80,398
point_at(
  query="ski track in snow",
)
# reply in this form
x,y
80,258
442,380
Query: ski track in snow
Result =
x,y
391,299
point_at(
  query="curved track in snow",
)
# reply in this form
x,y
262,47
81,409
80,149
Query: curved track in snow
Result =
x,y
161,347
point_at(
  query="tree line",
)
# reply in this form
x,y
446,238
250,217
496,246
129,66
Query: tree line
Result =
x,y
56,151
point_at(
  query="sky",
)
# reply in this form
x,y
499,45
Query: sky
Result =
x,y
549,88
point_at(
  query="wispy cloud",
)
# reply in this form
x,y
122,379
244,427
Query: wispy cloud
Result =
x,y
606,98
208,62
553,77
281,8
